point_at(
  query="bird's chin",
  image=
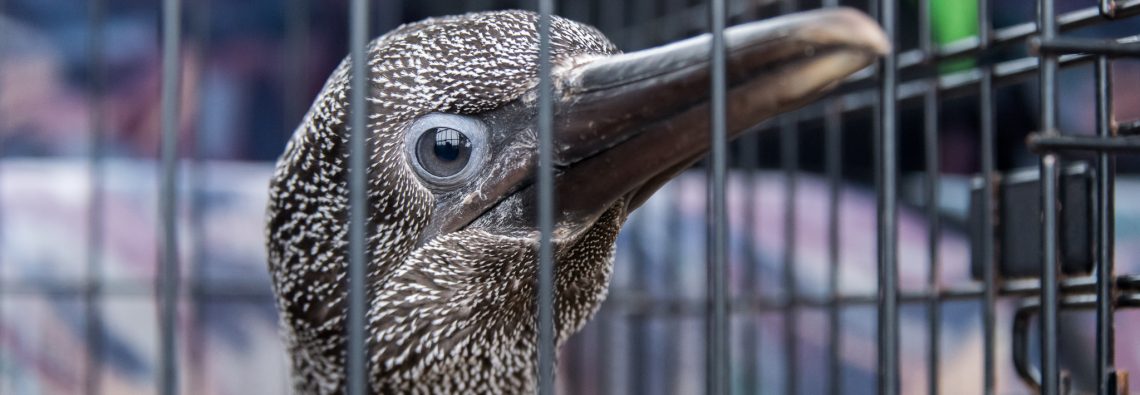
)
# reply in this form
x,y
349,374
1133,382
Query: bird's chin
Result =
x,y
515,217
635,198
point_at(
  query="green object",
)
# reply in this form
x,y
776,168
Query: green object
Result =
x,y
952,20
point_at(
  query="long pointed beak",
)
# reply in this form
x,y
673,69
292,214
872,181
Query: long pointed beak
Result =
x,y
626,124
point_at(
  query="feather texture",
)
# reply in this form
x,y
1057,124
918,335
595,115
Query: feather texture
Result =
x,y
454,313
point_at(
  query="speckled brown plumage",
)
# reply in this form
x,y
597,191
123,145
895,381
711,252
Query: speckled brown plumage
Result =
x,y
450,312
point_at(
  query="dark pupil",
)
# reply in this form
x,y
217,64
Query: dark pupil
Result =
x,y
443,151
447,144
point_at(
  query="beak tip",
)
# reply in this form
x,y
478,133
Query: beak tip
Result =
x,y
857,28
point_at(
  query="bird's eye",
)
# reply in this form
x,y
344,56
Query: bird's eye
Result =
x,y
443,151
446,149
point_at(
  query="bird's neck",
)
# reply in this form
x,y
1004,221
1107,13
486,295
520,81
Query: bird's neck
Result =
x,y
459,313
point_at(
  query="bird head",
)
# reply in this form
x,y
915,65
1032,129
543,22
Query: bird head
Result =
x,y
451,194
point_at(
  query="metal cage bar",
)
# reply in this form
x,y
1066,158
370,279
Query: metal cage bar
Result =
x,y
95,218
673,277
3,287
789,141
546,202
886,142
356,367
750,336
717,362
169,272
833,126
1105,236
989,266
639,323
789,155
931,200
199,32
833,152
1047,28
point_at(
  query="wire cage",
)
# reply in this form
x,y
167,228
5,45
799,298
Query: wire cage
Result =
x,y
944,222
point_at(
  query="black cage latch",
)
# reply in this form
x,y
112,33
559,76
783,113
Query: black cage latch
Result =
x,y
1017,223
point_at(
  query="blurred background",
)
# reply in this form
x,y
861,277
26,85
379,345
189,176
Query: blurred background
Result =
x,y
79,137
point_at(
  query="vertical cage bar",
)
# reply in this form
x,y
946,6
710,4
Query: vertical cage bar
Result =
x,y
930,192
3,225
716,364
671,354
887,208
357,379
750,337
1105,234
833,144
168,280
605,371
989,268
610,19
641,343
833,152
1050,371
94,273
200,32
675,237
672,364
545,203
933,237
790,155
